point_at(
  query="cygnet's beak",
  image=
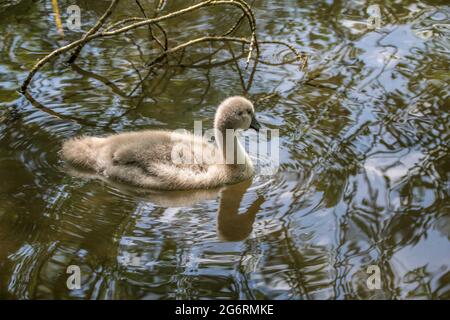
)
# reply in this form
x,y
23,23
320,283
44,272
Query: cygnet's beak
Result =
x,y
255,124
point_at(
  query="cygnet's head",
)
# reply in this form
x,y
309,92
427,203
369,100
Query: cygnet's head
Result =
x,y
236,113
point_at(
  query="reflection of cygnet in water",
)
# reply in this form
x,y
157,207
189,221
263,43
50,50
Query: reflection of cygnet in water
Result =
x,y
231,226
161,198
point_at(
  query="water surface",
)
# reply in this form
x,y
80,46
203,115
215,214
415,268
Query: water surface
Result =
x,y
364,176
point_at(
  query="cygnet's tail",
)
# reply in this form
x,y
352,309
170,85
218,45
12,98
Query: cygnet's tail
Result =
x,y
82,152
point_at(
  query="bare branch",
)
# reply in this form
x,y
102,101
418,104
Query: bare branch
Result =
x,y
131,23
94,29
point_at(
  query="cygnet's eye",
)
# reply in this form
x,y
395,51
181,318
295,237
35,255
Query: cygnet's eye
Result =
x,y
240,113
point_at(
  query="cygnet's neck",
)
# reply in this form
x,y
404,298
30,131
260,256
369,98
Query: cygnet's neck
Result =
x,y
231,149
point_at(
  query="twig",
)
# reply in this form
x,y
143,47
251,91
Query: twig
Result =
x,y
235,26
100,78
195,41
86,38
47,58
141,82
161,5
57,15
55,114
94,29
299,56
150,30
131,23
241,77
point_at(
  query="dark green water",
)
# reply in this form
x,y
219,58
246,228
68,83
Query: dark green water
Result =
x,y
364,177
